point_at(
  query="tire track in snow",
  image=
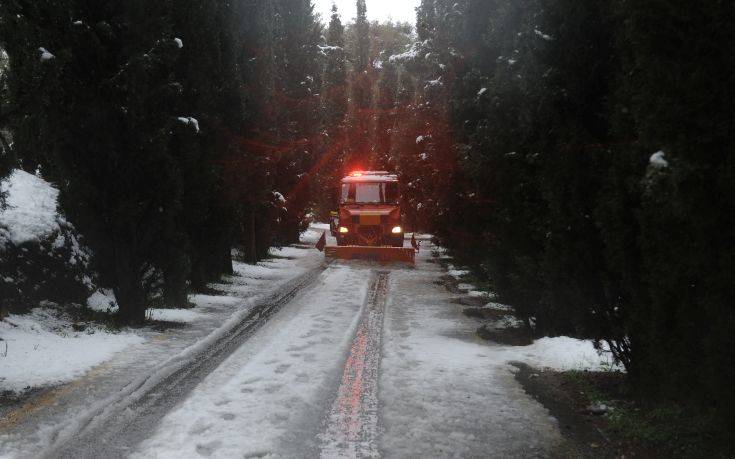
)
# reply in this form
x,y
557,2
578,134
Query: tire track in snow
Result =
x,y
352,423
113,427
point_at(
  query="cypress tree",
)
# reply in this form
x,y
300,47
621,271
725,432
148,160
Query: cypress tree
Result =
x,y
334,110
106,111
361,93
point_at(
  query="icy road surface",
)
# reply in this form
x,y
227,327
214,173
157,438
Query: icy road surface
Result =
x,y
340,360
373,361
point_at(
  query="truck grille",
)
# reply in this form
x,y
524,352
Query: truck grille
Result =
x,y
370,234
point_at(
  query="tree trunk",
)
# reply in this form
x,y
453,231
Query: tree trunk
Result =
x,y
129,291
252,256
174,289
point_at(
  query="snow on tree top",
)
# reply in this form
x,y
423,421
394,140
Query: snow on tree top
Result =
x,y
179,43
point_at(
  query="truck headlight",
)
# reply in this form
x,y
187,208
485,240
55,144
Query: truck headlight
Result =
x,y
397,230
343,230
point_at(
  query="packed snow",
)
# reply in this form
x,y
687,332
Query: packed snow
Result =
x,y
41,349
444,391
31,207
267,398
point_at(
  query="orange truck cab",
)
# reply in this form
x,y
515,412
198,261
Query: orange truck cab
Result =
x,y
369,211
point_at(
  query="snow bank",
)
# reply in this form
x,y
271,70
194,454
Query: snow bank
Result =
x,y
562,353
31,207
40,349
173,315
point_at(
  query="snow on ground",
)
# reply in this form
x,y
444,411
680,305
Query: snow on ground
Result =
x,y
269,396
480,294
31,207
562,353
39,349
466,287
444,391
147,353
173,315
456,272
559,353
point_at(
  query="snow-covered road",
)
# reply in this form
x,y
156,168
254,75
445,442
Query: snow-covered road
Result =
x,y
373,361
351,360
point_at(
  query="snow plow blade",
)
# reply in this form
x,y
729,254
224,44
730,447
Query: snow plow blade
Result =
x,y
381,254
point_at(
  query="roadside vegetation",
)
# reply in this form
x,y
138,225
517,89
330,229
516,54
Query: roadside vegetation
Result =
x,y
577,156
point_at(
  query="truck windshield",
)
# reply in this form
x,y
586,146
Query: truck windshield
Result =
x,y
370,193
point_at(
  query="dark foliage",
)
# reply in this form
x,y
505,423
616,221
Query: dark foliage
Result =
x,y
554,188
164,126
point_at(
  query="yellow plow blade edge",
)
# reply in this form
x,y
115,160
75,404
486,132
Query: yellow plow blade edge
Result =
x,y
381,254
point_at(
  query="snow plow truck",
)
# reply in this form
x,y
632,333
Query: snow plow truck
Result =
x,y
368,225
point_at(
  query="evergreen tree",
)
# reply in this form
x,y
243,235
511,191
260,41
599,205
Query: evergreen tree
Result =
x,y
361,84
334,110
207,71
110,144
297,85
